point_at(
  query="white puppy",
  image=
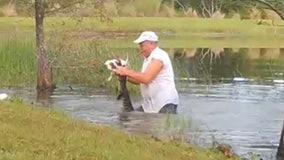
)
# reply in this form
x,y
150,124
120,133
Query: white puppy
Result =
x,y
113,63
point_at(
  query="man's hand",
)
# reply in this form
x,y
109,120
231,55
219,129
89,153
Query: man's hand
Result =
x,y
121,71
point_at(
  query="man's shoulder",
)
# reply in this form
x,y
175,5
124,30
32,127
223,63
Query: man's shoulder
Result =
x,y
160,51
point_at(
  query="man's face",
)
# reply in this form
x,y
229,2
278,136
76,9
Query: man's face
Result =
x,y
145,48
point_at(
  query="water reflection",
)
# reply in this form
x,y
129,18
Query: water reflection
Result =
x,y
217,64
44,98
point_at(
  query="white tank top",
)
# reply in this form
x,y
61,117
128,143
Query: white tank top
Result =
x,y
162,89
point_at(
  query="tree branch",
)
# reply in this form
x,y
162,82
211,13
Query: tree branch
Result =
x,y
272,8
183,8
49,12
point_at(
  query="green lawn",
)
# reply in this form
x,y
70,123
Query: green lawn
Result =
x,y
85,43
177,25
190,32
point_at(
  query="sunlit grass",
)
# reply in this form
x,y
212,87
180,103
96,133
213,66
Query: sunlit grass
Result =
x,y
17,61
78,53
72,63
203,41
83,63
30,132
177,25
189,32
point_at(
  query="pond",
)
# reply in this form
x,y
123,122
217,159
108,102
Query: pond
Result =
x,y
228,95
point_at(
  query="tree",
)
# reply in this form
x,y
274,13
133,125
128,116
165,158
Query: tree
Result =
x,y
4,2
246,5
207,8
44,72
275,5
44,66
45,85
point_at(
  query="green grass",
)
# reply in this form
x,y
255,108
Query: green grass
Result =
x,y
17,61
174,32
30,132
78,47
73,63
172,42
178,25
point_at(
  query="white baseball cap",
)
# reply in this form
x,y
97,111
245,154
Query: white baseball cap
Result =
x,y
147,36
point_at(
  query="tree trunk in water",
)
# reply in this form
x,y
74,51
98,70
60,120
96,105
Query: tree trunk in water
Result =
x,y
44,97
44,70
280,151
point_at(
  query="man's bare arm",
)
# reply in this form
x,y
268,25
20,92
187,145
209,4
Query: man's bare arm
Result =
x,y
146,77
132,80
150,73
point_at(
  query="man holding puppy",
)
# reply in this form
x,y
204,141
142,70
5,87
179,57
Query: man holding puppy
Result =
x,y
156,77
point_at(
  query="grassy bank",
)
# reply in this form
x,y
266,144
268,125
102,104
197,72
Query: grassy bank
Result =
x,y
30,132
177,25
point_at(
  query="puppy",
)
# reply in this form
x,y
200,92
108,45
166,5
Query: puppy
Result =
x,y
113,63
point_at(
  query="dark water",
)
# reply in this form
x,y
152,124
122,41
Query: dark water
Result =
x,y
210,64
233,96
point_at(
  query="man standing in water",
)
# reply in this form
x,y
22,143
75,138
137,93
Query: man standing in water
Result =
x,y
156,77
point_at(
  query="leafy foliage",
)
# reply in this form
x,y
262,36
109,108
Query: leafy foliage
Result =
x,y
203,8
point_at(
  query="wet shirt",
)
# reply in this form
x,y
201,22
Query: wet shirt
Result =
x,y
162,89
